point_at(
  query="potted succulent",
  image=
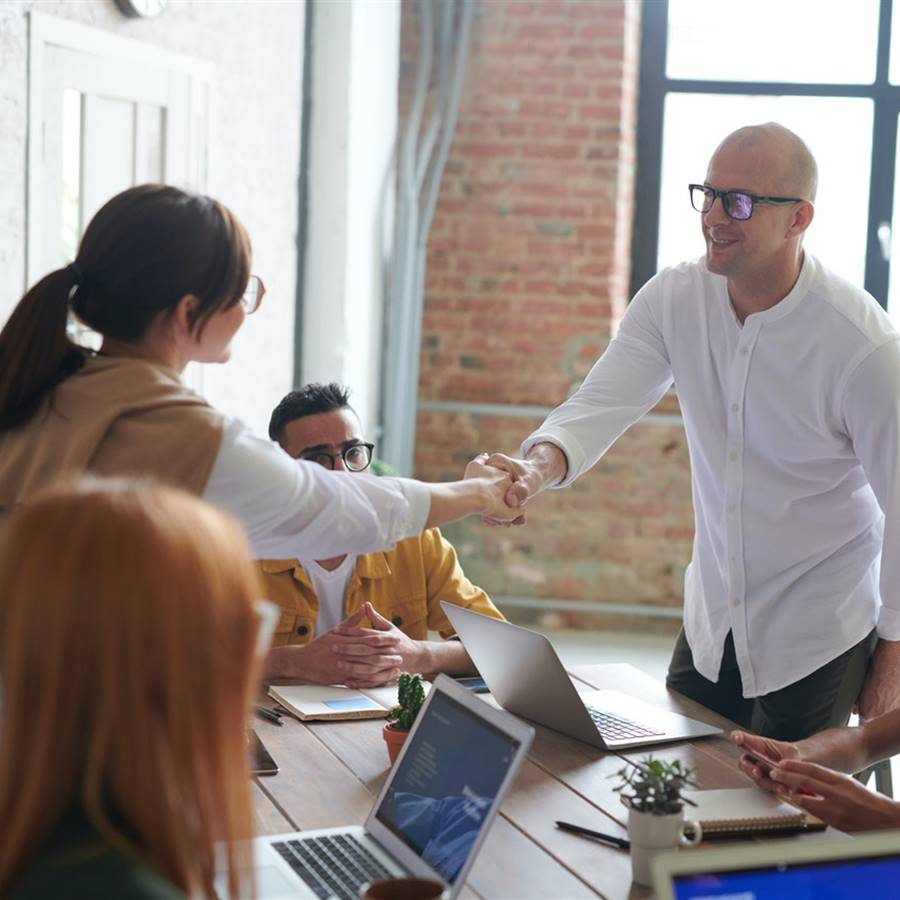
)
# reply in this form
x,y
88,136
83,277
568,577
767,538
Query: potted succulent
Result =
x,y
410,697
653,792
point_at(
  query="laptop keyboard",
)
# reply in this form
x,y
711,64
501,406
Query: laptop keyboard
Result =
x,y
617,728
332,865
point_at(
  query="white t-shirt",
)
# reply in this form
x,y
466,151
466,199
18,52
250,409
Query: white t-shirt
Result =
x,y
330,588
793,424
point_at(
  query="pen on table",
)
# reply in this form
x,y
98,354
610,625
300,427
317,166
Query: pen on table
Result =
x,y
621,843
269,714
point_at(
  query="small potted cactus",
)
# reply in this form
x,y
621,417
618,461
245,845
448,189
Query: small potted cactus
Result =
x,y
410,697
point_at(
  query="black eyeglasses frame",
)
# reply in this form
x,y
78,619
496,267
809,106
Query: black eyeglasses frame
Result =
x,y
726,199
333,457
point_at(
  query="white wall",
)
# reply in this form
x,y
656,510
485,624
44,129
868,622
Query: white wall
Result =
x,y
257,48
352,134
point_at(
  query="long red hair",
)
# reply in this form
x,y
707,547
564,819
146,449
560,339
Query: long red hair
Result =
x,y
128,664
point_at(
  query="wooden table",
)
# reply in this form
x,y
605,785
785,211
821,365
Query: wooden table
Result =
x,y
331,772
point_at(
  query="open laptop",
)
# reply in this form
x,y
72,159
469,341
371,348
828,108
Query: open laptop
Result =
x,y
838,868
429,820
525,676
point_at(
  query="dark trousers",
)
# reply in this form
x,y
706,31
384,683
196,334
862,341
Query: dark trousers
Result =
x,y
823,699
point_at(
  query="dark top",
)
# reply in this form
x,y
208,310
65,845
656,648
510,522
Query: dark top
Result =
x,y
75,864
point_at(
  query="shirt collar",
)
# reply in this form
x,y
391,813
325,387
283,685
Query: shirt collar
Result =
x,y
369,565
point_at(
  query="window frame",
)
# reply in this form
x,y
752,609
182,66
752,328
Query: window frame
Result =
x,y
653,87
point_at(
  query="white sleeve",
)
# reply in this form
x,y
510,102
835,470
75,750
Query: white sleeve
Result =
x,y
291,508
628,380
872,416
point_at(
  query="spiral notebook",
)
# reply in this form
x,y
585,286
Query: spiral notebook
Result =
x,y
746,811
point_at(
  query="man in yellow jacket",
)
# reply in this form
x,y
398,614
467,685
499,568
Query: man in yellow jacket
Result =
x,y
320,636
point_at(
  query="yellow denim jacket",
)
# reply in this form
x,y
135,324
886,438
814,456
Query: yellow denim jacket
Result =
x,y
406,585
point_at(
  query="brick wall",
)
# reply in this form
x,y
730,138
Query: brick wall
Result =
x,y
528,265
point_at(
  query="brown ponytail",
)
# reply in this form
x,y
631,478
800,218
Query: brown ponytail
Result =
x,y
35,352
142,252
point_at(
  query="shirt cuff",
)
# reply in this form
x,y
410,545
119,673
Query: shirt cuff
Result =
x,y
418,496
575,456
889,624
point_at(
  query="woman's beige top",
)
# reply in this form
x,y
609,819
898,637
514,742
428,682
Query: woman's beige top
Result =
x,y
115,416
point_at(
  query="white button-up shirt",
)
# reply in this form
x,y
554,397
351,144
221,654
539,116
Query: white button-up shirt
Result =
x,y
793,426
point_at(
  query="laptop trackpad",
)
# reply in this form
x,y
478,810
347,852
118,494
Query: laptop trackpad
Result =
x,y
275,885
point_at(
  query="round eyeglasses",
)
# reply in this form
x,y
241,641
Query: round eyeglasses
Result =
x,y
252,297
356,457
738,205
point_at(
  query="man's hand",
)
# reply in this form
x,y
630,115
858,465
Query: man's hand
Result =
x,y
322,661
881,690
497,483
759,755
839,800
545,465
362,651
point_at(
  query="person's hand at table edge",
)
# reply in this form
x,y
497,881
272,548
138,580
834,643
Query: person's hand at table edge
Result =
x,y
838,800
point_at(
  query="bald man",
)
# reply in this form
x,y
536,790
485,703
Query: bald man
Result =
x,y
788,381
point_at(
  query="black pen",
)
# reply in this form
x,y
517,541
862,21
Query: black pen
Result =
x,y
621,843
269,714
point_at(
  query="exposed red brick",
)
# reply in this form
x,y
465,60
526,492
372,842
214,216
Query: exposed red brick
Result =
x,y
527,278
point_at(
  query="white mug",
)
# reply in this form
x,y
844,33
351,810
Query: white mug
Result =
x,y
649,834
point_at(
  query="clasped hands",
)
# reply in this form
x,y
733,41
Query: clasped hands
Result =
x,y
515,480
358,657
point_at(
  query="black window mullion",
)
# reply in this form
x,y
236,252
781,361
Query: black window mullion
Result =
x,y
884,143
651,106
881,197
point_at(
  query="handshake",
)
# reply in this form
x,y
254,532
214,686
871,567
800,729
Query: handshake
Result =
x,y
510,483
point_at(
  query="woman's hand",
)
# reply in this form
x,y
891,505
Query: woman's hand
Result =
x,y
760,755
838,800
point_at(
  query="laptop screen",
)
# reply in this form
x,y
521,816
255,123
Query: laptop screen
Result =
x,y
845,879
442,790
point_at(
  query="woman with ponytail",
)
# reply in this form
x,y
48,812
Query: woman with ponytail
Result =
x,y
164,277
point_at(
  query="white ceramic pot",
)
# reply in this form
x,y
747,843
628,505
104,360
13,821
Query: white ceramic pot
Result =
x,y
650,833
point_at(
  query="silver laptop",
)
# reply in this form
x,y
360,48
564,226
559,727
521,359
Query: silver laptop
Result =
x,y
838,868
525,676
430,818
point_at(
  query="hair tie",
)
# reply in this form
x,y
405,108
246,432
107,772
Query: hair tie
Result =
x,y
76,272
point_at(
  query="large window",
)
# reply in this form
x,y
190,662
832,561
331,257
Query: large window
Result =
x,y
828,70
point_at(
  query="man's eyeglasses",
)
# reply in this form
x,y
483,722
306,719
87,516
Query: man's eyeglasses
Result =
x,y
356,457
254,294
737,204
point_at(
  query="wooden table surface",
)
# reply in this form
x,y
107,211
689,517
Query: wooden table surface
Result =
x,y
330,773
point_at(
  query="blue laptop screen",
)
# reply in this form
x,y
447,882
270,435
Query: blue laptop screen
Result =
x,y
847,879
442,791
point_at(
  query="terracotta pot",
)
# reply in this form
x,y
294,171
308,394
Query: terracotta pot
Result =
x,y
394,738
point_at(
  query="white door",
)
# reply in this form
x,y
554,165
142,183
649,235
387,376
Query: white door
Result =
x,y
105,113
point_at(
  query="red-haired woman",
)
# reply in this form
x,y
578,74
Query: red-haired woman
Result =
x,y
123,750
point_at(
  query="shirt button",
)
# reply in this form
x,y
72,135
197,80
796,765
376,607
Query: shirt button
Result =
x,y
736,601
732,456
734,407
302,629
745,351
397,620
730,508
